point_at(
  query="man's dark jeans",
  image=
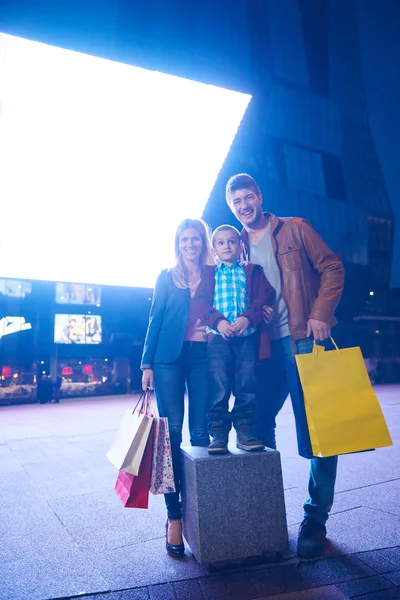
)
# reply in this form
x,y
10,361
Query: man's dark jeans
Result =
x,y
170,381
232,368
278,377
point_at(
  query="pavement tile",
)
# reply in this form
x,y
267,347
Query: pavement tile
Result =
x,y
162,592
138,594
20,430
214,588
382,496
366,469
330,592
264,582
240,586
63,478
100,522
361,529
366,585
8,461
393,594
17,489
39,559
35,451
62,570
66,532
96,443
292,537
394,577
28,530
392,554
188,589
288,577
323,572
146,563
355,566
295,473
376,561
295,497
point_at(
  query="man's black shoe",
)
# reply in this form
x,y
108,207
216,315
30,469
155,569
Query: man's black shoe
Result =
x,y
312,538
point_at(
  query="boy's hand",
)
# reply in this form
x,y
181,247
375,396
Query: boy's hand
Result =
x,y
268,314
240,325
225,329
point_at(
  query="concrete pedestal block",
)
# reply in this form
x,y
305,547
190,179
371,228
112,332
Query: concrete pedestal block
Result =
x,y
233,504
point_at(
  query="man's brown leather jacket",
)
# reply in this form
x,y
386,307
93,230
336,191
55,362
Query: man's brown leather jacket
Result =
x,y
312,275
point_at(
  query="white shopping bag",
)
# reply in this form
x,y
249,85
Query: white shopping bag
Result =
x,y
127,449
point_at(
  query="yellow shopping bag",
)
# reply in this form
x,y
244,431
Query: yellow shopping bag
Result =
x,y
343,412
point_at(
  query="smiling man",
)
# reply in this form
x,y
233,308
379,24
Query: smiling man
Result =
x,y
308,279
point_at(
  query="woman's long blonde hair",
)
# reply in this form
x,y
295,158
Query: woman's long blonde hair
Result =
x,y
180,274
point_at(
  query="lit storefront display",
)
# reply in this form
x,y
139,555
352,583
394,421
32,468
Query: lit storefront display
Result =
x,y
33,323
85,337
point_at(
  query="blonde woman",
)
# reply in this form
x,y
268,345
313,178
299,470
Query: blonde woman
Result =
x,y
175,357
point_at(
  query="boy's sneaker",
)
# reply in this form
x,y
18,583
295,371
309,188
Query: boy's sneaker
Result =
x,y
219,444
247,441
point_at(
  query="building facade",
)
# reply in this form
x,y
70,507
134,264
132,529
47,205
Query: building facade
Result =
x,y
310,145
305,138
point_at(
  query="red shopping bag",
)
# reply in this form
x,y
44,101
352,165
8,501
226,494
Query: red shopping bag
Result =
x,y
133,490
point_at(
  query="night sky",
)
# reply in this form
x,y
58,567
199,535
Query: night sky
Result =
x,y
379,33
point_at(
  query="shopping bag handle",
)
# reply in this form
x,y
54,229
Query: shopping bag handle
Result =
x,y
144,402
152,404
315,346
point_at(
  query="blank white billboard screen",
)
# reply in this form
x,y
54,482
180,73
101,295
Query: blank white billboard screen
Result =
x,y
99,161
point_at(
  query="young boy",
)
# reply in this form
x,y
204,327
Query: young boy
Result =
x,y
229,300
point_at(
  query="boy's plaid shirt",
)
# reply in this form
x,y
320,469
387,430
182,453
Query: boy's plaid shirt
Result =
x,y
230,294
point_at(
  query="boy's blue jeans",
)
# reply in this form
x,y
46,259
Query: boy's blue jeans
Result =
x,y
232,369
170,383
278,377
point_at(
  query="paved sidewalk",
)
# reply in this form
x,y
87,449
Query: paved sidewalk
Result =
x,y
64,532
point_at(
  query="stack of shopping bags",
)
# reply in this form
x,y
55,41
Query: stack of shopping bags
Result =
x,y
141,451
343,412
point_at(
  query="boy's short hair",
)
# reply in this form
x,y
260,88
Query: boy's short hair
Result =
x,y
241,182
225,228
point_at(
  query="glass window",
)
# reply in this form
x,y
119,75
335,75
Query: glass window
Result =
x,y
15,288
304,169
78,293
334,178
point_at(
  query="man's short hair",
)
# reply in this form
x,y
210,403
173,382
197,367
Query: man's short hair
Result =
x,y
240,182
224,228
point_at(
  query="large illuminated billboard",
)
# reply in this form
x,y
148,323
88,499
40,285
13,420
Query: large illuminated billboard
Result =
x,y
77,329
99,161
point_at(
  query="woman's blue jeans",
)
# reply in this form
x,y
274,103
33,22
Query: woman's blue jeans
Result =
x,y
171,380
278,377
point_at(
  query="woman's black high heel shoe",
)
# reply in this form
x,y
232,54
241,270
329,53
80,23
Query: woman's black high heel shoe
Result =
x,y
174,550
